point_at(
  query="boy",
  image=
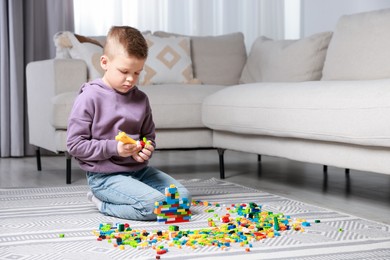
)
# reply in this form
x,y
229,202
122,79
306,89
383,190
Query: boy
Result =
x,y
122,185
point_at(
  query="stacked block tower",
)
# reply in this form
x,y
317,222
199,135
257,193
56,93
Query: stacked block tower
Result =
x,y
173,209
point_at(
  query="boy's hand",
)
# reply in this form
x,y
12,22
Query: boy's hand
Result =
x,y
126,150
144,154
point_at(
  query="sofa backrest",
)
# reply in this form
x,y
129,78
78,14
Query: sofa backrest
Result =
x,y
360,47
216,60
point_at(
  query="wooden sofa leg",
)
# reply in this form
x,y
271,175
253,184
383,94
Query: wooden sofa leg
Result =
x,y
38,156
68,168
221,163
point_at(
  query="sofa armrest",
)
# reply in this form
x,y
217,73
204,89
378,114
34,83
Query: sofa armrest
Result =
x,y
44,80
56,75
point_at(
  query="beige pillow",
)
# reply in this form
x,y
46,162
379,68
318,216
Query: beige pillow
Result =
x,y
286,60
360,47
216,60
169,61
70,45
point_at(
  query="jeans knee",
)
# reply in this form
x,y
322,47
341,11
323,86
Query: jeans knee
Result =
x,y
148,207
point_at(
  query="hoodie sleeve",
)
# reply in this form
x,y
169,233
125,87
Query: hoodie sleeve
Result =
x,y
148,127
80,143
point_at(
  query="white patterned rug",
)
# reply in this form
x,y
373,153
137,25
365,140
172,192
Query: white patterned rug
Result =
x,y
32,221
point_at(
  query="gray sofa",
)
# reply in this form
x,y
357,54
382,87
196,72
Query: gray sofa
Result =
x,y
321,99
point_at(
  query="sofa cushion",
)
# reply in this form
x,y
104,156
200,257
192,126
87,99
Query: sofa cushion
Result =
x,y
355,112
62,106
359,49
169,61
286,60
173,105
178,105
217,60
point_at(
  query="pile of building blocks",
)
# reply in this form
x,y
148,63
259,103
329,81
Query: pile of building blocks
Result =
x,y
236,225
173,209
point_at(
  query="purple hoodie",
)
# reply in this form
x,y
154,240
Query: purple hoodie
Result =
x,y
99,113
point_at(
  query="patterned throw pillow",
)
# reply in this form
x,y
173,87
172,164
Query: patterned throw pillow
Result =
x,y
217,59
169,61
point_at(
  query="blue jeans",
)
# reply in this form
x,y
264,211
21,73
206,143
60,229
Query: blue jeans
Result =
x,y
132,195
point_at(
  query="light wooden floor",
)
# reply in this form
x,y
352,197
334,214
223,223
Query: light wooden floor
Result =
x,y
365,194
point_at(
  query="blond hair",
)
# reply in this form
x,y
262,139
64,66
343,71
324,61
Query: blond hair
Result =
x,y
129,39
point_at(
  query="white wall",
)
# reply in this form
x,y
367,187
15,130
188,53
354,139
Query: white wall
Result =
x,y
319,15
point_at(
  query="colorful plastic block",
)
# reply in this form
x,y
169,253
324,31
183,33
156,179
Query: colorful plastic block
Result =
x,y
173,209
